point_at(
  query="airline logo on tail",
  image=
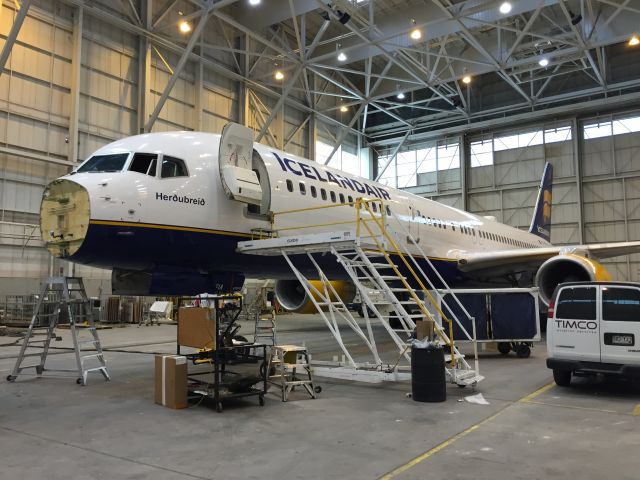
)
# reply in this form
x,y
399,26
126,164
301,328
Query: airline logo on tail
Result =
x,y
541,221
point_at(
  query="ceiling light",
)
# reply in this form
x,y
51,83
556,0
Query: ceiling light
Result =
x,y
279,75
342,57
185,27
400,96
466,79
254,2
344,109
416,34
633,41
543,62
505,8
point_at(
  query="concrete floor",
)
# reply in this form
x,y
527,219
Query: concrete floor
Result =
x,y
51,428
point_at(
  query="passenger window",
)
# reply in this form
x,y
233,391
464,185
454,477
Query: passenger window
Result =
x,y
323,193
290,185
375,208
303,188
144,163
333,196
314,193
173,167
388,210
341,198
577,303
621,304
351,201
473,232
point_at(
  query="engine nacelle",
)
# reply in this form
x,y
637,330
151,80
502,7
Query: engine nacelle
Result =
x,y
292,297
568,268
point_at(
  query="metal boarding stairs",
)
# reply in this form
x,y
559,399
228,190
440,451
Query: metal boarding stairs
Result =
x,y
373,257
75,306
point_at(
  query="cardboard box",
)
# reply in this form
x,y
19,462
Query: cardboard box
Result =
x,y
197,327
424,329
171,381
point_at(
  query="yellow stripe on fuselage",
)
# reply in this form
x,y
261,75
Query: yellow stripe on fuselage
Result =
x,y
116,223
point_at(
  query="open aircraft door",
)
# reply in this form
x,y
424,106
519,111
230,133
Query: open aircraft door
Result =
x,y
235,157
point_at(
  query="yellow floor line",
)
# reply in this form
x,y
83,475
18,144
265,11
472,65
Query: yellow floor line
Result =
x,y
540,391
574,407
420,458
437,448
636,411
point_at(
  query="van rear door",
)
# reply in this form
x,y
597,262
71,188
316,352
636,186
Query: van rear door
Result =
x,y
575,331
620,327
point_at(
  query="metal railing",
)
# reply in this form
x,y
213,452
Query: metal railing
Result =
x,y
375,227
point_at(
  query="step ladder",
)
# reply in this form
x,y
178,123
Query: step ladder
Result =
x,y
292,368
376,254
265,327
73,305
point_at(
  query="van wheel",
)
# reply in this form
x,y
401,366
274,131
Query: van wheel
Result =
x,y
562,377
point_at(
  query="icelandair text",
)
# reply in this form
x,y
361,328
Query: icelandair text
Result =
x,y
314,173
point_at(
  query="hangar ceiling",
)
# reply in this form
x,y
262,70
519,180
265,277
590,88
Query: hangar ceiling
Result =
x,y
389,79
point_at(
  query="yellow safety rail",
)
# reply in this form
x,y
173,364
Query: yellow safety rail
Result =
x,y
379,219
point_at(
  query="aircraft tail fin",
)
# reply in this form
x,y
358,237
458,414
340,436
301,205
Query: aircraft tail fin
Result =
x,y
541,221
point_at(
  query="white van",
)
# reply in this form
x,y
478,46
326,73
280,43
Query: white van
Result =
x,y
594,327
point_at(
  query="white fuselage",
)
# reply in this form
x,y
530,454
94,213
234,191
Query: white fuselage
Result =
x,y
145,222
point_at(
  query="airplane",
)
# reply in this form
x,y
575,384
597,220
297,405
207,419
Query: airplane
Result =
x,y
166,210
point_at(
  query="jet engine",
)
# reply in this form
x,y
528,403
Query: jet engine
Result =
x,y
568,268
292,297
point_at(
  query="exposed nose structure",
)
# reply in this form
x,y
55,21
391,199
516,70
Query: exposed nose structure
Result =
x,y
64,217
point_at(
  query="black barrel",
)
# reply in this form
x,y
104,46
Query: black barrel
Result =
x,y
427,374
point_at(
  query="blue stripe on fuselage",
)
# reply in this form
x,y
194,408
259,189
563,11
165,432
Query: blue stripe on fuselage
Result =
x,y
151,248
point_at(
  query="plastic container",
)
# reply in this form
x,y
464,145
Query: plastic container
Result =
x,y
427,374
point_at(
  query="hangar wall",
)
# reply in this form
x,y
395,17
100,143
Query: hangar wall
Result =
x,y
38,120
596,187
102,72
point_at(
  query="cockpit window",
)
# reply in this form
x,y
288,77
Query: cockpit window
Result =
x,y
144,163
173,167
104,163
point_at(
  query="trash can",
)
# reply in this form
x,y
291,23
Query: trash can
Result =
x,y
427,372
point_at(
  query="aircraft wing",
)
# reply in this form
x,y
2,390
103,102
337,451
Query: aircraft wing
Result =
x,y
526,258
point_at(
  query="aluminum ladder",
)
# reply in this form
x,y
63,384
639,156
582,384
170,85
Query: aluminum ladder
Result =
x,y
265,327
75,306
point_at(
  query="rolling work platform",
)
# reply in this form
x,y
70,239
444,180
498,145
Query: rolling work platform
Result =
x,y
372,255
75,307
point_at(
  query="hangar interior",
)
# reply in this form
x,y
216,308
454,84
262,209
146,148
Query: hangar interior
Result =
x,y
78,76
458,101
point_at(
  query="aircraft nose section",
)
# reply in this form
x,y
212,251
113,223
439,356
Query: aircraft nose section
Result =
x,y
64,217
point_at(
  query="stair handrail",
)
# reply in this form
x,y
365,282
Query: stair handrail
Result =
x,y
435,270
382,227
